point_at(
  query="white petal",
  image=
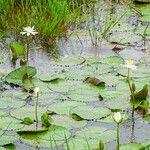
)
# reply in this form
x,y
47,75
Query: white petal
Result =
x,y
23,33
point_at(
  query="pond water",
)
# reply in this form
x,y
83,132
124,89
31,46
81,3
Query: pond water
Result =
x,y
69,95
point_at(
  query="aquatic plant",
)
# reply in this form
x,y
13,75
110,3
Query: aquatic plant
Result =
x,y
117,117
29,31
37,92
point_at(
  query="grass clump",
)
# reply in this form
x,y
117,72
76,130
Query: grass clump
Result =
x,y
51,18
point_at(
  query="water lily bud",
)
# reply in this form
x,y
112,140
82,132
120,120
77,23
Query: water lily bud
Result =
x,y
36,90
117,116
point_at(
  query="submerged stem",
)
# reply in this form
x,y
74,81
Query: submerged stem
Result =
x,y
118,137
36,108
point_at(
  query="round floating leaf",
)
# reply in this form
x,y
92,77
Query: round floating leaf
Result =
x,y
83,93
96,132
124,38
19,94
54,135
7,139
97,69
108,95
17,76
89,112
77,74
64,107
68,61
8,123
46,99
2,148
114,61
48,77
67,122
131,146
110,79
9,102
78,143
27,111
62,86
32,129
121,102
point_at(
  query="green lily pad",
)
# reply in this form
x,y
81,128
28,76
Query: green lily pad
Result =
x,y
124,38
19,94
10,102
89,112
97,68
48,77
114,61
62,86
68,61
109,95
31,129
19,76
8,123
55,134
46,99
121,102
131,146
7,139
65,107
67,122
96,132
78,143
27,111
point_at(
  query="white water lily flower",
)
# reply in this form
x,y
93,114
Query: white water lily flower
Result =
x,y
129,64
117,117
29,31
36,90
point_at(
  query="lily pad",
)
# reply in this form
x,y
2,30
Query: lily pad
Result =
x,y
54,135
90,113
48,77
114,61
78,143
121,102
8,123
124,38
27,111
19,76
67,122
68,61
7,139
10,102
96,132
65,107
131,146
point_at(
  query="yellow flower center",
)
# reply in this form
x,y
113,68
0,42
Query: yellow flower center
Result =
x,y
129,62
